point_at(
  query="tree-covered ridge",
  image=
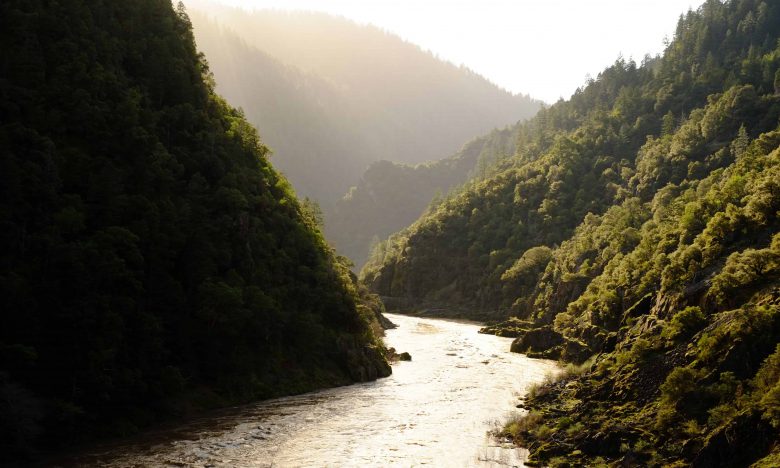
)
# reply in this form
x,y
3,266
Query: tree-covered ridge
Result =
x,y
635,230
584,155
153,261
390,196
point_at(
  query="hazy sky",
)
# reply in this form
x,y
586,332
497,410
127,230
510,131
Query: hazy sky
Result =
x,y
541,47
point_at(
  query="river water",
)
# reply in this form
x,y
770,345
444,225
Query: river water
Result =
x,y
433,411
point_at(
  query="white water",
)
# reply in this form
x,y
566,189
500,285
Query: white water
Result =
x,y
433,411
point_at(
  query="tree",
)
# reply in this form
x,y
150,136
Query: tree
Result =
x,y
777,82
311,211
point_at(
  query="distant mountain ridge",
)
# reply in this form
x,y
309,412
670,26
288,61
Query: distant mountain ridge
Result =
x,y
344,95
305,119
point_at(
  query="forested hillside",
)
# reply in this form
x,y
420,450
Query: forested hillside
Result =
x,y
390,196
152,260
635,230
330,96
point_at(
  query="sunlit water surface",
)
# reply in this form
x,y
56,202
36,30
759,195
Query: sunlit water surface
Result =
x,y
433,411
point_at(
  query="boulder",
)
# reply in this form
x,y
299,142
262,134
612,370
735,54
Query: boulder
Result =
x,y
739,443
537,339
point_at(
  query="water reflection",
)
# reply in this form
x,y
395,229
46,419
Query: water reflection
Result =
x,y
433,411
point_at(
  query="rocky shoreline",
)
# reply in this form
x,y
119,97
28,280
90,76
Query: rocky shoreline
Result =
x,y
434,309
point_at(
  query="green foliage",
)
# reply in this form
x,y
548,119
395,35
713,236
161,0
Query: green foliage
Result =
x,y
681,382
685,323
767,384
746,270
312,213
523,425
533,262
777,82
677,392
641,351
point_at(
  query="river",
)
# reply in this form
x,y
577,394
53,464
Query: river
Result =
x,y
433,411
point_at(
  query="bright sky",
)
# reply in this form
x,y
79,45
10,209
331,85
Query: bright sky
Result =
x,y
541,47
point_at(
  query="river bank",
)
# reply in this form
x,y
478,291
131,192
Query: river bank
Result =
x,y
435,410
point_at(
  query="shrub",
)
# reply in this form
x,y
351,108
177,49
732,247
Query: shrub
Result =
x,y
679,382
543,432
685,324
676,390
522,424
576,430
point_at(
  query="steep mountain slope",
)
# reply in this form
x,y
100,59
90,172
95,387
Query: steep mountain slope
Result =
x,y
684,324
153,261
577,157
391,196
360,94
635,229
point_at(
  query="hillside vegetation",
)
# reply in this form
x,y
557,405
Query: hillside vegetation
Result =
x,y
390,196
152,260
635,230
